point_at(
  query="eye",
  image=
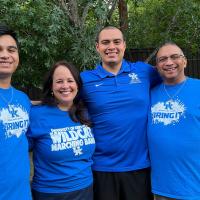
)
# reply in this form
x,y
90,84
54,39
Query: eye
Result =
x,y
175,56
59,81
162,59
105,42
117,42
70,80
12,49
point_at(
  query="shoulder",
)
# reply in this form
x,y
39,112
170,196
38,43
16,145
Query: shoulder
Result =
x,y
89,75
44,110
37,110
194,82
147,67
146,70
140,66
156,88
21,94
21,99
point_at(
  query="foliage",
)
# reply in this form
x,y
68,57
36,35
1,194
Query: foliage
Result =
x,y
154,21
50,30
48,33
90,17
42,35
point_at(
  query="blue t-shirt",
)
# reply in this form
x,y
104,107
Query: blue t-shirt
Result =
x,y
174,140
62,151
14,157
118,107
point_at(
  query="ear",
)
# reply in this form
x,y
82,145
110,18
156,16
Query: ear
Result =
x,y
156,67
156,64
125,44
97,47
185,62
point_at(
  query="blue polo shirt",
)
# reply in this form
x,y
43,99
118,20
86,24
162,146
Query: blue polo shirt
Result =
x,y
118,107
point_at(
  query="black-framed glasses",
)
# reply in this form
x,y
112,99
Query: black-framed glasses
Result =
x,y
173,57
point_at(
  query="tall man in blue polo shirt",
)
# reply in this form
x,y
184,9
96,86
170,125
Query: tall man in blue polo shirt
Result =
x,y
117,96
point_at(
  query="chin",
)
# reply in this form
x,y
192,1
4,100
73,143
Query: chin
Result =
x,y
6,73
112,62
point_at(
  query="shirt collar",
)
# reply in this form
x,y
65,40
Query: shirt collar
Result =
x,y
103,73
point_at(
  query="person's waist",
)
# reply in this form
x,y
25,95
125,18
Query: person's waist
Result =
x,y
123,167
56,186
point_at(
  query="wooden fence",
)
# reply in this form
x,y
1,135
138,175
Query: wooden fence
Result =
x,y
192,70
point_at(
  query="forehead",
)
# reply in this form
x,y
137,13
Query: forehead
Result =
x,y
109,34
62,71
7,40
168,50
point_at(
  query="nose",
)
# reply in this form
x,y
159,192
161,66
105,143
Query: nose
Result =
x,y
4,54
111,45
65,84
169,61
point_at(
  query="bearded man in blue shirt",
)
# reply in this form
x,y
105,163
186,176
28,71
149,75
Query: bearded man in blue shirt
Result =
x,y
116,93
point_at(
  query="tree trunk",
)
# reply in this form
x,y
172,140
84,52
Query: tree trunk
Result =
x,y
123,15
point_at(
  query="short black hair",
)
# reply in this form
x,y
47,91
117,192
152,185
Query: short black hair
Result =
x,y
5,30
166,43
107,28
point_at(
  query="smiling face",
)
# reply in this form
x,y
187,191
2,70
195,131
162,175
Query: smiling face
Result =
x,y
64,87
9,56
111,47
171,63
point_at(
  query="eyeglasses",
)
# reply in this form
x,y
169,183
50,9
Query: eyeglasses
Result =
x,y
173,57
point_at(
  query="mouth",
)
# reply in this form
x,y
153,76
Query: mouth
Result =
x,y
111,53
5,64
66,92
170,69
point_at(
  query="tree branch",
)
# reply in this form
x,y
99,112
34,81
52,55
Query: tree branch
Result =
x,y
111,3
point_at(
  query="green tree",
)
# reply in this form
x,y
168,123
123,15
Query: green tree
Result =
x,y
86,18
52,30
155,21
66,29
42,34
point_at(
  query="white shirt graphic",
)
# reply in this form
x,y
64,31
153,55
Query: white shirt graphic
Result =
x,y
168,112
15,120
134,78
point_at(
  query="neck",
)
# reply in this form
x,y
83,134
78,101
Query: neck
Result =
x,y
112,67
5,83
64,107
174,81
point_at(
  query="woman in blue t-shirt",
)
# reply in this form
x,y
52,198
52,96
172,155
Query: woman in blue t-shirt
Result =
x,y
61,140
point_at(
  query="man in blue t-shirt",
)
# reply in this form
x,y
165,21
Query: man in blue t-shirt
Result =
x,y
116,93
174,129
14,121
